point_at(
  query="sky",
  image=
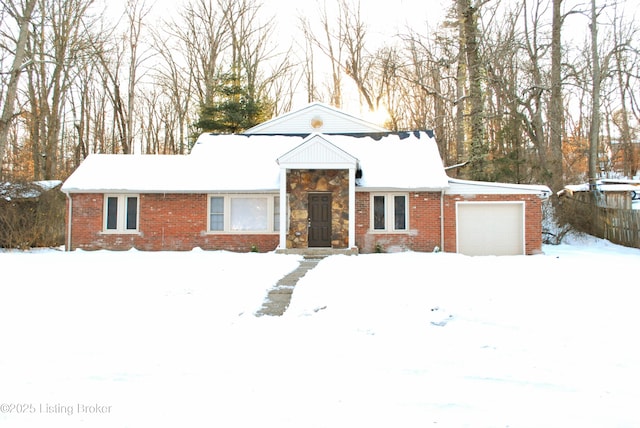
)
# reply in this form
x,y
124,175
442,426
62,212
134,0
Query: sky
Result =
x,y
165,339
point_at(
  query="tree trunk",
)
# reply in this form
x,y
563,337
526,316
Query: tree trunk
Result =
x,y
469,21
594,130
556,110
23,22
461,75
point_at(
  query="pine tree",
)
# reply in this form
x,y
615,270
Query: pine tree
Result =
x,y
235,108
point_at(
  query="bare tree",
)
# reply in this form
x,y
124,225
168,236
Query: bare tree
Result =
x,y
202,35
22,15
177,82
281,83
594,130
308,63
623,58
537,84
331,44
359,63
251,45
556,110
428,72
136,11
56,44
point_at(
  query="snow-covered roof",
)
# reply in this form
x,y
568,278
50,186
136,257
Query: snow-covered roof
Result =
x,y
33,189
605,186
241,163
397,161
468,187
103,173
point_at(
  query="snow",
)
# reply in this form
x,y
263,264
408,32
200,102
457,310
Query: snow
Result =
x,y
409,161
165,339
607,185
225,163
10,191
468,187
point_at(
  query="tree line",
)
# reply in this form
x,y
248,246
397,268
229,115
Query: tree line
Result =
x,y
534,91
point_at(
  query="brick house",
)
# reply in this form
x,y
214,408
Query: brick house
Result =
x,y
316,178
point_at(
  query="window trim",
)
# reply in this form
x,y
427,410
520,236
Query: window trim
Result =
x,y
121,217
227,198
389,212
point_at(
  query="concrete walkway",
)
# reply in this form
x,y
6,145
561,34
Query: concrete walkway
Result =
x,y
279,297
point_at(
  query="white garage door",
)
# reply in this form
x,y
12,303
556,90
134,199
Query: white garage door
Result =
x,y
490,228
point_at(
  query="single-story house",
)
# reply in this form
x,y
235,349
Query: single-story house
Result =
x,y
315,178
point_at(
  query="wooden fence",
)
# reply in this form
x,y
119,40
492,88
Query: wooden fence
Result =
x,y
619,226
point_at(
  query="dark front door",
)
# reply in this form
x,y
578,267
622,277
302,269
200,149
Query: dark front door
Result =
x,y
319,219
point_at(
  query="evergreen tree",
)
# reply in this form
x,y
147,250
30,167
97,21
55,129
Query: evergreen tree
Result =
x,y
235,109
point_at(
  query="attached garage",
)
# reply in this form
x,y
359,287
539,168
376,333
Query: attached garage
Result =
x,y
490,228
482,219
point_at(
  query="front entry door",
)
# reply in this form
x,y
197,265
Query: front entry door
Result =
x,y
319,219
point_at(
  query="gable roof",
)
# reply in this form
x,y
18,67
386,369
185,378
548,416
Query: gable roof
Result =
x,y
317,151
241,163
315,118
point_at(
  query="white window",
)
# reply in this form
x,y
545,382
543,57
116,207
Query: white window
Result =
x,y
244,213
389,212
276,213
121,213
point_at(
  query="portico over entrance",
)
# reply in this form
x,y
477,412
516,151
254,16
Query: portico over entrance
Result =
x,y
317,196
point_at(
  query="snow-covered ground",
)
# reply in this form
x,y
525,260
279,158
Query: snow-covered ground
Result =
x,y
136,339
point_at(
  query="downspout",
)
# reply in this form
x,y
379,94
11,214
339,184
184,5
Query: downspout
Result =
x,y
442,220
352,206
69,219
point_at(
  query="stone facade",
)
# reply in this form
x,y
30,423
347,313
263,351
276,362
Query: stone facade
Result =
x,y
300,183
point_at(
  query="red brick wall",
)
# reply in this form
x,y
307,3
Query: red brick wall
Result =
x,y
179,222
423,233
167,222
533,218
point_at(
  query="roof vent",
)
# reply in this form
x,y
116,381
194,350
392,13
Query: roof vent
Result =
x,y
317,122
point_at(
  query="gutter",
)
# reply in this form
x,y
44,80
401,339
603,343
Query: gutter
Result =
x,y
442,220
544,195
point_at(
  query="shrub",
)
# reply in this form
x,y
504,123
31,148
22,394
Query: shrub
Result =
x,y
31,216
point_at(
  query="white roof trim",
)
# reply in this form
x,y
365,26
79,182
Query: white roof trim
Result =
x,y
457,186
